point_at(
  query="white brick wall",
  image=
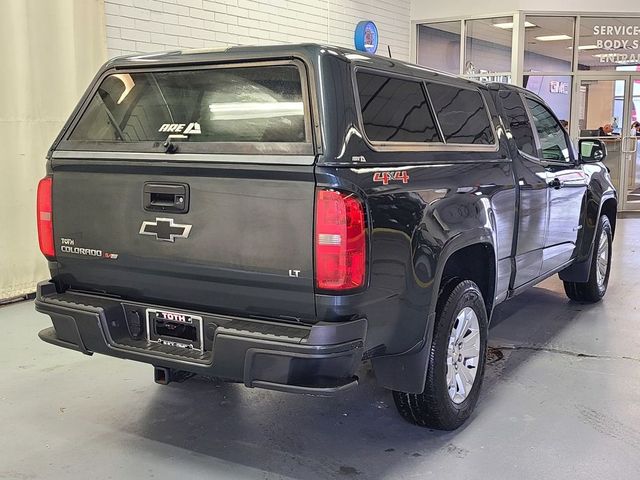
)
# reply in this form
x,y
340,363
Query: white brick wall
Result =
x,y
135,26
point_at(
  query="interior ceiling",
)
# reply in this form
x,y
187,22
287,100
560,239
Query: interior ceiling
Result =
x,y
559,49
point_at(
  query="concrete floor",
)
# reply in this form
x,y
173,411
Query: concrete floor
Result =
x,y
562,402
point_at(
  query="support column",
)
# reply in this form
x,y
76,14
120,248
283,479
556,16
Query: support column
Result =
x,y
517,49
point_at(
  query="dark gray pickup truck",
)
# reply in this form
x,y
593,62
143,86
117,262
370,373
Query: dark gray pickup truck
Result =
x,y
277,215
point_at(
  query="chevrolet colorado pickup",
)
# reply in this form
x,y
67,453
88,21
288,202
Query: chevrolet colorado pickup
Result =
x,y
277,215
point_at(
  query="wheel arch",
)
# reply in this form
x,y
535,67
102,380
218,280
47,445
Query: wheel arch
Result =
x,y
464,254
476,262
609,208
579,270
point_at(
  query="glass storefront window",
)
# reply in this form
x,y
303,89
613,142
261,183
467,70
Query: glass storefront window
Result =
x,y
608,43
549,44
439,46
488,46
601,103
554,90
586,67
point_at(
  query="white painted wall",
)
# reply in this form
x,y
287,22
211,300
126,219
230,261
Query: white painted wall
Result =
x,y
155,25
50,50
427,10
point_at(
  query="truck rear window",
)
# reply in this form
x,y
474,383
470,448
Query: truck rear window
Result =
x,y
249,104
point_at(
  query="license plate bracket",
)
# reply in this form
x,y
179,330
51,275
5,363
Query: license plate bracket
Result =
x,y
176,329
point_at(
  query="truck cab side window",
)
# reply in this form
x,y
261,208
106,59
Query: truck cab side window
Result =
x,y
462,114
395,110
553,141
519,123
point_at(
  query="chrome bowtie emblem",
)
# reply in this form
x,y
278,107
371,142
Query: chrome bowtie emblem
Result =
x,y
165,229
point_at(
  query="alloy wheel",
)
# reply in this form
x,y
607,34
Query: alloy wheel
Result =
x,y
463,355
602,259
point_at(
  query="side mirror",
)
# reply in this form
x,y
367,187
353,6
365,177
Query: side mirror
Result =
x,y
592,151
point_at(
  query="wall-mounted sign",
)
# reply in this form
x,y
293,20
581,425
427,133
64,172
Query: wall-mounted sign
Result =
x,y
366,37
619,40
558,87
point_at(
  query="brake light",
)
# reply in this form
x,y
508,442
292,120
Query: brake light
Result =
x,y
45,217
340,243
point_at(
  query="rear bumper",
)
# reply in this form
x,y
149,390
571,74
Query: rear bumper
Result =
x,y
319,359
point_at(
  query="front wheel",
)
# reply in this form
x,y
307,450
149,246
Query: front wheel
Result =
x,y
456,362
594,289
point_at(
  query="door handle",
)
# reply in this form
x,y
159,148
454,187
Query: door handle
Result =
x,y
164,197
556,183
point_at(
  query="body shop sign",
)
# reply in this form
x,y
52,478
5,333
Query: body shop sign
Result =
x,y
622,40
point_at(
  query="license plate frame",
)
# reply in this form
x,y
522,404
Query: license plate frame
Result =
x,y
171,319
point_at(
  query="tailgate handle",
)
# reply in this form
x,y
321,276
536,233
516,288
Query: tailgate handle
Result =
x,y
165,197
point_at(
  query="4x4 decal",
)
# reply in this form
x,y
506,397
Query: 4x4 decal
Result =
x,y
386,177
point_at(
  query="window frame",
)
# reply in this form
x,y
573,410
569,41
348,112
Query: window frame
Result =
x,y
544,161
388,146
308,147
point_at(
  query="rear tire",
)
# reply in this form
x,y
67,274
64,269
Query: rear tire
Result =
x,y
595,288
454,374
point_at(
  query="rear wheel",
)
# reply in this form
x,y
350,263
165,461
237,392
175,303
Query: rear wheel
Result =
x,y
456,362
594,289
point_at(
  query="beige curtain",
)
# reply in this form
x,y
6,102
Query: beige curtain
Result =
x,y
49,51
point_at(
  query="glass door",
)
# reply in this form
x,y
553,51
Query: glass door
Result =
x,y
607,107
632,164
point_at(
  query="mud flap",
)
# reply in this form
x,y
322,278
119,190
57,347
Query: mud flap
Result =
x,y
406,372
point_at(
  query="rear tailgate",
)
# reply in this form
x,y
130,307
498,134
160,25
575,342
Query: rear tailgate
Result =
x,y
223,223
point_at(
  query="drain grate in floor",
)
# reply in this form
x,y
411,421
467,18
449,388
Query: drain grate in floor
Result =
x,y
494,355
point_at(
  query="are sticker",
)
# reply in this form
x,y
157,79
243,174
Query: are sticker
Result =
x,y
386,177
193,128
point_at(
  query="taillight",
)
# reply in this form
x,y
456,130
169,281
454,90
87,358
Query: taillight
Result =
x,y
45,217
340,241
